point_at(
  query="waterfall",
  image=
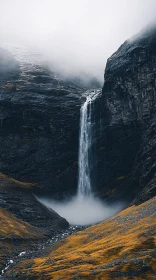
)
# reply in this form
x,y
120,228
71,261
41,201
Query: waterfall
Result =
x,y
84,208
84,179
85,146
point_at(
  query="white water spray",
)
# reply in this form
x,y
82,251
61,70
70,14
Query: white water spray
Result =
x,y
85,146
84,209
84,179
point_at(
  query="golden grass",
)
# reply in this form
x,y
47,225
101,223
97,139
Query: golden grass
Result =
x,y
14,183
15,236
121,245
12,227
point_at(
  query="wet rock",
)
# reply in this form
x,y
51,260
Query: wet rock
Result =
x,y
126,125
39,126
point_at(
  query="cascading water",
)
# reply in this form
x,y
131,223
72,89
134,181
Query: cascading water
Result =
x,y
84,179
85,163
84,208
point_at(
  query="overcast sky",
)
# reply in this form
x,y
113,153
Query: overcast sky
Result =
x,y
79,35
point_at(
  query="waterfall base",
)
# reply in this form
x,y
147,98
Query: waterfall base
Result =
x,y
83,210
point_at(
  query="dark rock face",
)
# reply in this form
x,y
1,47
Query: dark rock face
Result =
x,y
39,127
126,129
17,198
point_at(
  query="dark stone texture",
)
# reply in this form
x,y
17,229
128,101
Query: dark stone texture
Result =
x,y
39,127
126,127
17,197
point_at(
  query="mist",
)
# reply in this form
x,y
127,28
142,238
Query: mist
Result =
x,y
83,211
75,37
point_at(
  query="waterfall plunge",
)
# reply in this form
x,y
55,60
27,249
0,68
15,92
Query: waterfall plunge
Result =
x,y
84,209
84,179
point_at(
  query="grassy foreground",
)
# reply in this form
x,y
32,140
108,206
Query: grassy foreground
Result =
x,y
15,236
122,247
14,228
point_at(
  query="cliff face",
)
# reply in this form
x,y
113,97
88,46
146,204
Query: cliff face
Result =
x,y
127,126
39,125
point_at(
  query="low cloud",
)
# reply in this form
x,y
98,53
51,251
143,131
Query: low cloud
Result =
x,y
83,210
75,36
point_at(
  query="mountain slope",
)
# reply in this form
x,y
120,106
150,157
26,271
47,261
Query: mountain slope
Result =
x,y
122,247
39,116
17,197
12,227
15,236
24,222
39,120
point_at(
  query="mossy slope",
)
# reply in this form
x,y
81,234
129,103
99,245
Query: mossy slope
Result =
x,y
23,220
12,227
17,197
122,247
4,179
15,236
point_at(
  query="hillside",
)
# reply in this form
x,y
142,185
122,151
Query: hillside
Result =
x,y
17,197
12,227
39,133
122,247
23,220
15,236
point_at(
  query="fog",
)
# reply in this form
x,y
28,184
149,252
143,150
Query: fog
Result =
x,y
83,210
75,36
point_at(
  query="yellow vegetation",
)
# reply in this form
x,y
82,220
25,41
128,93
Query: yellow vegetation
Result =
x,y
10,226
15,183
120,178
15,236
122,247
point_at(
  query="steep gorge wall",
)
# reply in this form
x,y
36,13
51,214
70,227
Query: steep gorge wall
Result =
x,y
40,125
126,127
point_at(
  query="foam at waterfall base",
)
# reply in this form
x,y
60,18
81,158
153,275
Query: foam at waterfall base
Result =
x,y
82,210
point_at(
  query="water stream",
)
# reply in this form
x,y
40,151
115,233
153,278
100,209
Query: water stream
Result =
x,y
84,177
86,160
84,208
